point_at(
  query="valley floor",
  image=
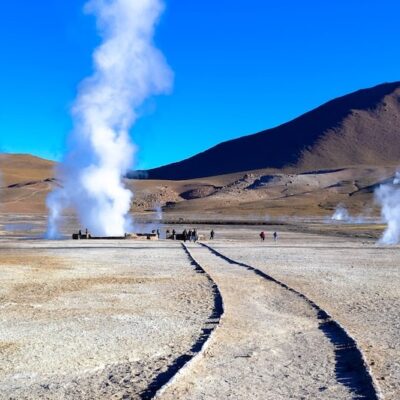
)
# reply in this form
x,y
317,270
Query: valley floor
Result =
x,y
306,317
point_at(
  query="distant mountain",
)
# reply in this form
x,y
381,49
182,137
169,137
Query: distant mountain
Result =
x,y
360,128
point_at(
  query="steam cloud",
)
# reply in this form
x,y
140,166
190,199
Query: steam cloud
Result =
x,y
388,196
127,70
158,211
341,214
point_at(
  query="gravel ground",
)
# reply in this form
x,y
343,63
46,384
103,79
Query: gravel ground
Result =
x,y
103,320
268,345
357,282
95,322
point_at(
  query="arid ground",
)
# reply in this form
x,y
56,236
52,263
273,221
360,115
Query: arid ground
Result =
x,y
311,316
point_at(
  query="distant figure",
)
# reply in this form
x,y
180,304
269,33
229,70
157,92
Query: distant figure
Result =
x,y
185,235
158,233
195,237
275,236
80,234
262,235
190,235
212,234
173,234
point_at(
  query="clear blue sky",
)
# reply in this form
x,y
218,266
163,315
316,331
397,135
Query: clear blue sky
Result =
x,y
240,67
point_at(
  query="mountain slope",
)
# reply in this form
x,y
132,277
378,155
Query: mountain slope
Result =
x,y
25,181
24,168
360,128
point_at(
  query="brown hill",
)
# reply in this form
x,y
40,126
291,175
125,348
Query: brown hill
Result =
x,y
252,196
361,128
24,168
25,181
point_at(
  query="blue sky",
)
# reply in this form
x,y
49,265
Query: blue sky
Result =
x,y
240,67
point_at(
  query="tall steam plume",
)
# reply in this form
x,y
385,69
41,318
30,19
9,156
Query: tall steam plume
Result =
x,y
388,195
127,70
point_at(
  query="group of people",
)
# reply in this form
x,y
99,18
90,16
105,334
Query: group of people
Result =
x,y
274,235
190,235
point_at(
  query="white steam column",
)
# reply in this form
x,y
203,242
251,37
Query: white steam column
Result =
x,y
127,70
388,196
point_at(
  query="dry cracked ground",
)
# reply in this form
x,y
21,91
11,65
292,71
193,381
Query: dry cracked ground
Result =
x,y
306,317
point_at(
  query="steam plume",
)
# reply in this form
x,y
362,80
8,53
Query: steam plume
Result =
x,y
388,196
341,214
159,213
127,70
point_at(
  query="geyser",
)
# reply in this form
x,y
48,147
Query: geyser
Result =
x,y
127,70
388,196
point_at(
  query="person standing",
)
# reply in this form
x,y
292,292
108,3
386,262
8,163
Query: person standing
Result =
x,y
262,235
212,234
275,236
